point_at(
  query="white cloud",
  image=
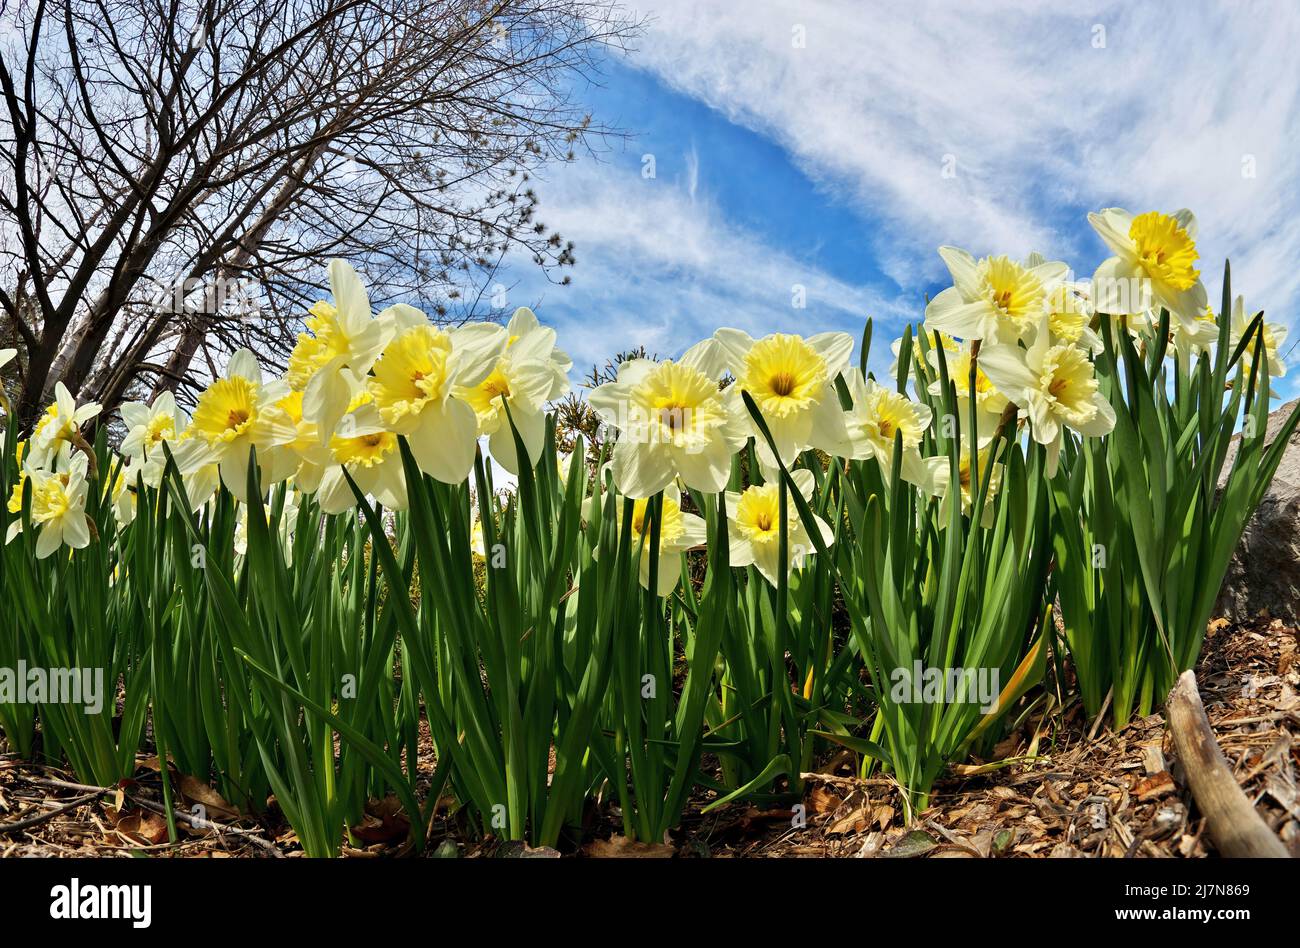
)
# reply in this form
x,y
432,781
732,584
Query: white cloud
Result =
x,y
1035,115
660,266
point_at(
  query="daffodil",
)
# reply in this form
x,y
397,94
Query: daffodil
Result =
x,y
528,373
58,508
288,525
1274,335
1192,337
59,428
792,381
236,413
679,531
989,402
1069,316
304,457
936,340
1154,264
123,492
477,544
877,417
148,426
754,527
200,475
343,340
937,482
527,338
6,356
414,386
673,420
995,299
1056,388
369,452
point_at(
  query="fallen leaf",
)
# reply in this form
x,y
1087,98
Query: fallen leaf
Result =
x,y
915,843
143,826
821,800
196,791
1157,785
383,822
855,821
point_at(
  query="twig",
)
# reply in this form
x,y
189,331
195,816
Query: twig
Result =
x,y
39,818
1234,825
199,823
194,821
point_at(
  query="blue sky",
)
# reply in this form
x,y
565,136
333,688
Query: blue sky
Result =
x,y
805,144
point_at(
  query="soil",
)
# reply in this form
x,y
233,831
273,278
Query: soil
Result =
x,y
1061,786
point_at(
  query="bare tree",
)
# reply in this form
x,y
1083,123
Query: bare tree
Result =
x,y
174,174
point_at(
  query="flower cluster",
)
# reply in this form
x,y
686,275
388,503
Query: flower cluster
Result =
x,y
1018,340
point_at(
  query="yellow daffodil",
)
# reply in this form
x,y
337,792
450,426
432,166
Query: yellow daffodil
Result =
x,y
672,421
526,338
938,480
235,413
995,299
58,508
521,387
148,426
792,381
935,340
370,453
1274,335
303,458
343,340
1191,337
1069,314
1154,264
877,417
199,473
59,428
414,390
678,532
754,528
529,372
477,544
125,488
1056,388
989,402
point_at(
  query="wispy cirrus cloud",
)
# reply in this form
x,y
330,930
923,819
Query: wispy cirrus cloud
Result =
x,y
1042,109
808,143
663,266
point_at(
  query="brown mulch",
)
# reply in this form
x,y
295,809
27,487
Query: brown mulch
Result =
x,y
1112,793
1061,786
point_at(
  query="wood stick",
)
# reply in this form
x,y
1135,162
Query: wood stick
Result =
x,y
39,818
1235,827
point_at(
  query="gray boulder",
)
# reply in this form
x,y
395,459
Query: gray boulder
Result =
x,y
1265,571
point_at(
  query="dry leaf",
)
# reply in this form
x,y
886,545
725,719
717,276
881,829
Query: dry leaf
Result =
x,y
143,826
1157,785
383,822
196,791
855,821
822,800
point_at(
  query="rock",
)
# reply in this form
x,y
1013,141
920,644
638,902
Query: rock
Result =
x,y
1265,570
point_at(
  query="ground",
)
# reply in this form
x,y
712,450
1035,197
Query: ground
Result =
x,y
1072,789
